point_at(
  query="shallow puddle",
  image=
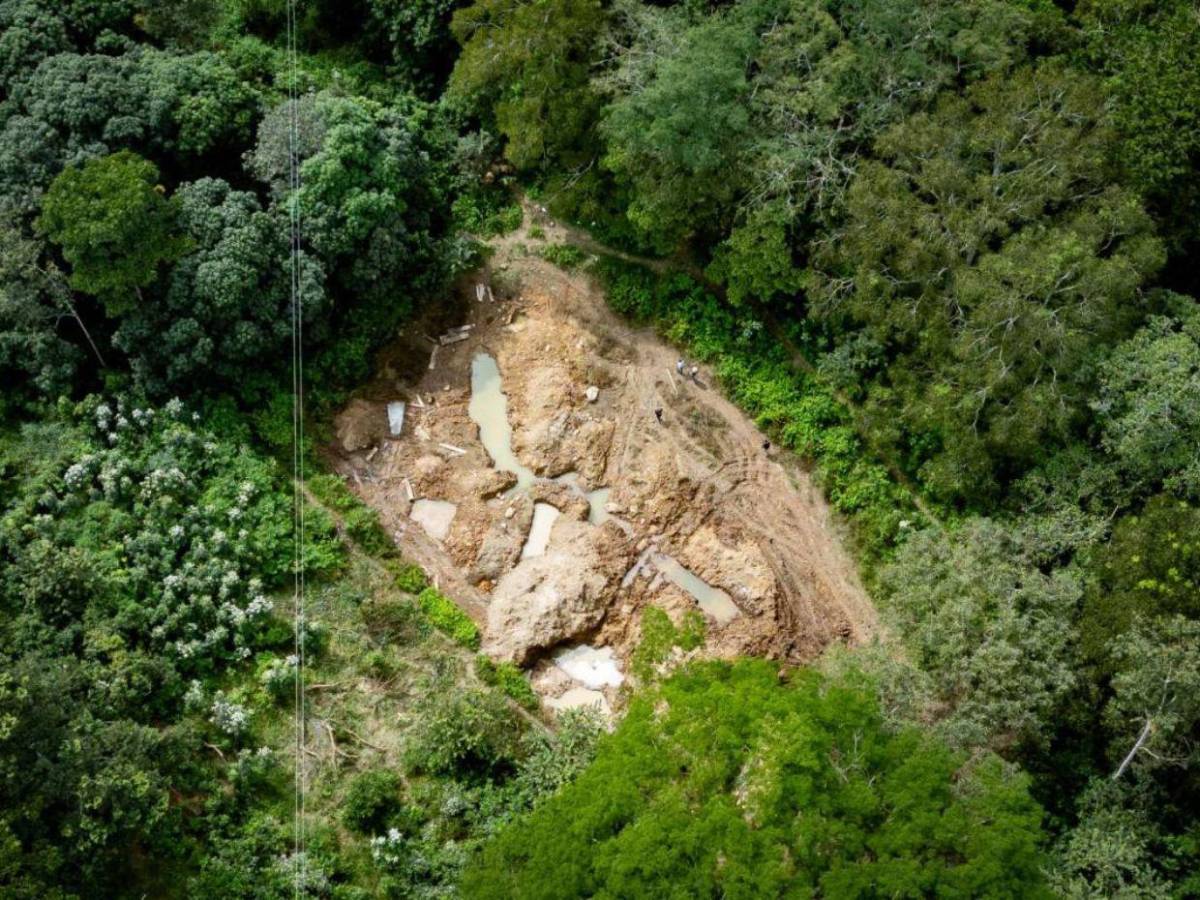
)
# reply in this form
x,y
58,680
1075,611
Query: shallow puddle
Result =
x,y
593,667
539,531
489,410
434,516
713,601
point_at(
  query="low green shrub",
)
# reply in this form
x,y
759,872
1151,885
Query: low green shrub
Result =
x,y
486,214
379,665
446,617
411,579
464,734
508,678
565,256
361,521
372,799
660,636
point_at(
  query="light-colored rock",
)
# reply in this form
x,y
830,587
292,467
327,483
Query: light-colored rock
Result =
x,y
742,570
395,411
435,516
592,393
554,598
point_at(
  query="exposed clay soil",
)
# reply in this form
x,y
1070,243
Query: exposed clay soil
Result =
x,y
698,487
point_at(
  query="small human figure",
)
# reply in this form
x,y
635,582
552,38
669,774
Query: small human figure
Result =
x,y
658,415
766,446
679,366
695,372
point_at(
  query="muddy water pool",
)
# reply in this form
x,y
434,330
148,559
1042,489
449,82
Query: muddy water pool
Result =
x,y
713,601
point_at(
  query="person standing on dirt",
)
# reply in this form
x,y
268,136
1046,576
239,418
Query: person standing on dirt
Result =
x,y
658,415
695,374
766,446
679,367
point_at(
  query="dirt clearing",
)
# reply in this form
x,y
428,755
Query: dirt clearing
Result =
x,y
649,487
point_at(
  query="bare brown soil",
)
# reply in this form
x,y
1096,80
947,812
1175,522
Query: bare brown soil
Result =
x,y
697,486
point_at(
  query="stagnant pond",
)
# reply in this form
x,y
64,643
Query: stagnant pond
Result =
x,y
489,410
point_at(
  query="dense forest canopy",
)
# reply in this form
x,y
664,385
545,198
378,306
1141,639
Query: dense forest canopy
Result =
x,y
945,251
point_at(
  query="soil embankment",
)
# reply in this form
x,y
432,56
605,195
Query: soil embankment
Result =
x,y
563,440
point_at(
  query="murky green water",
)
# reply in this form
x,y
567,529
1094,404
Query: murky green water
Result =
x,y
489,410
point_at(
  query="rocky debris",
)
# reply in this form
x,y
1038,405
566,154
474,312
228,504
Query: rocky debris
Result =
x,y
359,426
569,442
741,570
563,497
501,545
558,597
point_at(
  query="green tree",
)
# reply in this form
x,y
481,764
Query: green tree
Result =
x,y
418,32
223,317
678,123
992,252
1150,56
375,201
1113,849
527,66
1148,405
988,626
36,356
1154,714
1150,567
114,225
728,780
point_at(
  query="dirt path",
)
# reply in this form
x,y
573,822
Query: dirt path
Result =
x,y
696,487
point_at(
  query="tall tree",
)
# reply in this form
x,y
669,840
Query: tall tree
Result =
x,y
993,253
526,67
730,780
114,225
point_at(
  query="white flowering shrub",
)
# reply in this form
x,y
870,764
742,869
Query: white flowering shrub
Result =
x,y
389,850
278,677
231,719
202,530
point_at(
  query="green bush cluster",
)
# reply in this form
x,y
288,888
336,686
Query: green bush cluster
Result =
x,y
508,678
446,617
361,521
565,256
487,214
659,636
411,579
394,619
371,800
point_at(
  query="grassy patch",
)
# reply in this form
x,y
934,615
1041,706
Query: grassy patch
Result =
x,y
508,678
446,617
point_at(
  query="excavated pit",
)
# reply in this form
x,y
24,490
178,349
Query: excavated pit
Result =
x,y
550,502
